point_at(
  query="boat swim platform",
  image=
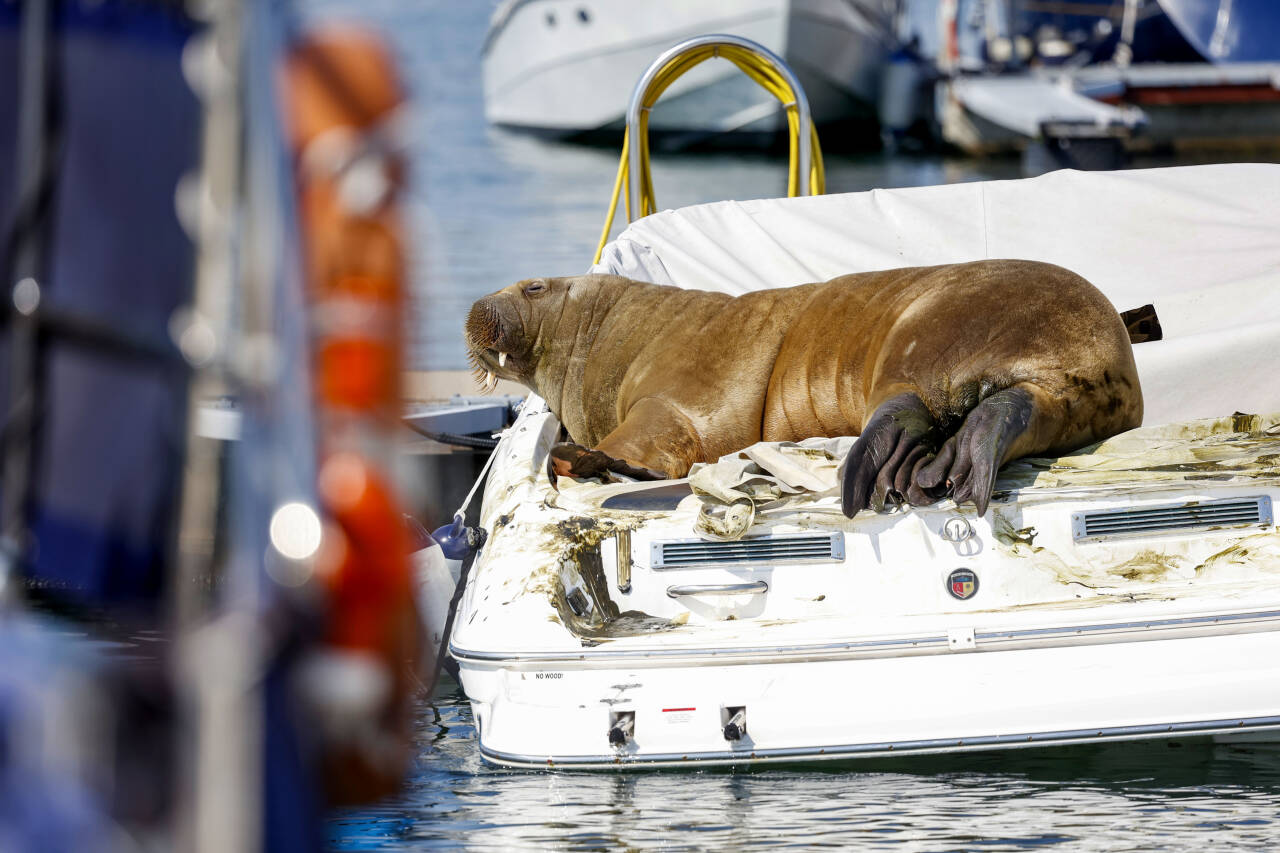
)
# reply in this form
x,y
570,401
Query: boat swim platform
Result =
x,y
1144,106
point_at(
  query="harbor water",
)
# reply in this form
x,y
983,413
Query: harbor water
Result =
x,y
1189,796
488,208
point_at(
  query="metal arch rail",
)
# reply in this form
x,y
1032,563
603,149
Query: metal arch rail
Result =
x,y
641,94
761,64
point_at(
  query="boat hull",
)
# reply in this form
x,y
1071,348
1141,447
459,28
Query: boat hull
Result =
x,y
1097,618
574,78
873,707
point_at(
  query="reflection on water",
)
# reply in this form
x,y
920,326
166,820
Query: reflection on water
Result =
x,y
1150,796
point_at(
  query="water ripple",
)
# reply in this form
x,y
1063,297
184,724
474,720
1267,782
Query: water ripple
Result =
x,y
1138,797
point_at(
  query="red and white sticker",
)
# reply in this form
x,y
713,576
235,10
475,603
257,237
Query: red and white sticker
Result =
x,y
678,716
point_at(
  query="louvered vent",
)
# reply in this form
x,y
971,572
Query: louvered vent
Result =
x,y
768,549
1171,518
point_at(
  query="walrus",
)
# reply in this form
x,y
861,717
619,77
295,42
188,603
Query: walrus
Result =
x,y
945,372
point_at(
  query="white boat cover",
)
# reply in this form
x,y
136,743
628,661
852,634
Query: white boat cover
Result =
x,y
1202,243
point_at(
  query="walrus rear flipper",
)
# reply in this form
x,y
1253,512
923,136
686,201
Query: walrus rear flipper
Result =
x,y
969,460
893,459
880,468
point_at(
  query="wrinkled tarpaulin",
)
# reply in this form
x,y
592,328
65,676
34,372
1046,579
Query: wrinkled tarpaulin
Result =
x,y
772,475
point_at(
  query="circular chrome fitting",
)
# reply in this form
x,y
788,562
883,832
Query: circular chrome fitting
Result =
x,y
957,529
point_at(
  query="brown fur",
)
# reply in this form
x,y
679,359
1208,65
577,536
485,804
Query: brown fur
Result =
x,y
663,377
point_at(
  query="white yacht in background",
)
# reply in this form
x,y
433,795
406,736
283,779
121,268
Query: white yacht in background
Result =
x,y
1126,591
566,67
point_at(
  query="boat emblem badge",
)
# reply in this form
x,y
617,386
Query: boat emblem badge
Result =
x,y
962,584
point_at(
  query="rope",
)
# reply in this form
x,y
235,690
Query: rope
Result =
x,y
454,438
443,659
759,70
461,512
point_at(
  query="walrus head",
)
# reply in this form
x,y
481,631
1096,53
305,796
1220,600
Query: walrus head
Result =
x,y
506,332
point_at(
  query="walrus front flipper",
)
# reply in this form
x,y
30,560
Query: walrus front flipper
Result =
x,y
574,460
896,441
969,460
657,436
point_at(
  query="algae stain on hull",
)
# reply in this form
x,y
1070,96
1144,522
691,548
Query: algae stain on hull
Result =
x,y
1149,566
1006,534
578,539
1256,553
1074,569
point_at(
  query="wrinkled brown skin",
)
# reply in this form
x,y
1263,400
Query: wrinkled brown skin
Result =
x,y
662,377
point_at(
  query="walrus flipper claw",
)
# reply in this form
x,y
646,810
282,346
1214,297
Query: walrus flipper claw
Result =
x,y
635,472
878,471
969,460
574,460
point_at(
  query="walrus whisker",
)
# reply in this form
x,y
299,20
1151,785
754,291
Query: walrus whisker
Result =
x,y
478,370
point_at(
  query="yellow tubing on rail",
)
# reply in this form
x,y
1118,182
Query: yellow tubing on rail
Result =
x,y
755,67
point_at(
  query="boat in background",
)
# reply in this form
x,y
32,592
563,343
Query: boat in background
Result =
x,y
565,68
1082,84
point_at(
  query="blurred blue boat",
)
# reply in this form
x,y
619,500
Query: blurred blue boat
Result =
x,y
1082,82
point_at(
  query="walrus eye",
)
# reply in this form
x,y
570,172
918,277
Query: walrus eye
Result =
x,y
535,288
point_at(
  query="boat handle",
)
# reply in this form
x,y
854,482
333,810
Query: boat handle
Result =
x,y
805,172
718,589
744,53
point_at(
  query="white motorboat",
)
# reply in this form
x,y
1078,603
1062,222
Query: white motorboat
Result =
x,y
566,67
1126,591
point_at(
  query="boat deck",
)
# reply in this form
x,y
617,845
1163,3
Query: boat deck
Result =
x,y
554,562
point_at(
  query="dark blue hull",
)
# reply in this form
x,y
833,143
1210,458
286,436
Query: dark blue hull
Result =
x,y
994,35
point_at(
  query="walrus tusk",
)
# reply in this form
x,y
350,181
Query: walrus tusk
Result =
x,y
502,359
490,381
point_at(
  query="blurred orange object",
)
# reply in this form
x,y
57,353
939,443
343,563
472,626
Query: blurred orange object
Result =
x,y
341,99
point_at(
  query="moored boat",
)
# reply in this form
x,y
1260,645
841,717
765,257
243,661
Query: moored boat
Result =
x,y
1122,592
565,69
1084,83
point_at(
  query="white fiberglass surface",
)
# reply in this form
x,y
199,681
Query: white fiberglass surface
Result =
x,y
894,575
